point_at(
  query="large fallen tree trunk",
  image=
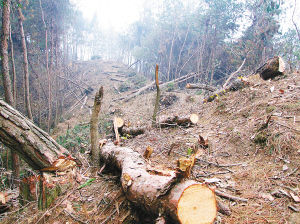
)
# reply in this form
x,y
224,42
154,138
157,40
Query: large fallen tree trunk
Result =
x,y
34,145
272,68
159,192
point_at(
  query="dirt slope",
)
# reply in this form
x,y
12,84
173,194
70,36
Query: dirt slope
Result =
x,y
246,157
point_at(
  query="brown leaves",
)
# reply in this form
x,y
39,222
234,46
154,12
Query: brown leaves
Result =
x,y
203,143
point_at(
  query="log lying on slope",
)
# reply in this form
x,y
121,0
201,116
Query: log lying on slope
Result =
x,y
34,145
159,193
272,68
176,120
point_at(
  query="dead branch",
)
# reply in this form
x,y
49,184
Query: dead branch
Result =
x,y
233,74
200,86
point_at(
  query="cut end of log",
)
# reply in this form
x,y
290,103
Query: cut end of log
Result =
x,y
194,118
197,205
281,67
119,122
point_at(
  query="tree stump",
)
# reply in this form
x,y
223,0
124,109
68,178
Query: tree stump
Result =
x,y
272,68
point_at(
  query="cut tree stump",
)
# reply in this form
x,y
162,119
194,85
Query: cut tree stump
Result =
x,y
181,121
272,68
160,193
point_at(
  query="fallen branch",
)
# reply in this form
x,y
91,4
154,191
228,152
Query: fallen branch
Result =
x,y
230,197
233,74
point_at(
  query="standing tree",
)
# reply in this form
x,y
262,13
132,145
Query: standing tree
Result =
x,y
25,61
5,72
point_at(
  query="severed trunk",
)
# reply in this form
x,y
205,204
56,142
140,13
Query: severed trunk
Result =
x,y
160,192
35,146
180,121
272,68
94,127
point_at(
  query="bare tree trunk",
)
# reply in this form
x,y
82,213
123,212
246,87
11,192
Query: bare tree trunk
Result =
x,y
47,67
4,52
5,74
13,69
25,62
182,47
156,107
94,128
296,27
36,147
170,56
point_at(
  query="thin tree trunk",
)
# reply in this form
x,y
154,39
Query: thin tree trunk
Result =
x,y
182,47
13,69
94,128
25,62
296,27
170,56
156,107
47,67
5,74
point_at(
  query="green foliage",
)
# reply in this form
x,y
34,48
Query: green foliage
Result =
x,y
189,151
170,87
89,182
77,138
199,92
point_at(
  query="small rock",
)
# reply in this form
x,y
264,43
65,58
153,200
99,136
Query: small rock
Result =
x,y
285,167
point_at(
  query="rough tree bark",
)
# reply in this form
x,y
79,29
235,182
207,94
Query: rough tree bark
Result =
x,y
94,128
13,69
34,145
25,62
160,192
5,73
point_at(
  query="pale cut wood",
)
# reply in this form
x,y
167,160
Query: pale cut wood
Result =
x,y
185,202
116,130
119,122
272,68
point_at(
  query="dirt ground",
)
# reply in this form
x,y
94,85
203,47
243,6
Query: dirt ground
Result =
x,y
249,155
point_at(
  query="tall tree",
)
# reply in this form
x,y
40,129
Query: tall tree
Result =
x,y
5,72
25,61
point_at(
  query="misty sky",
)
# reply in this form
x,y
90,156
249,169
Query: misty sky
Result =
x,y
117,15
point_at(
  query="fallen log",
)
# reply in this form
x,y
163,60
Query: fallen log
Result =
x,y
181,121
160,193
152,85
272,68
200,86
123,130
239,83
33,144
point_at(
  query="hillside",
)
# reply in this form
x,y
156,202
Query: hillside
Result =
x,y
250,153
